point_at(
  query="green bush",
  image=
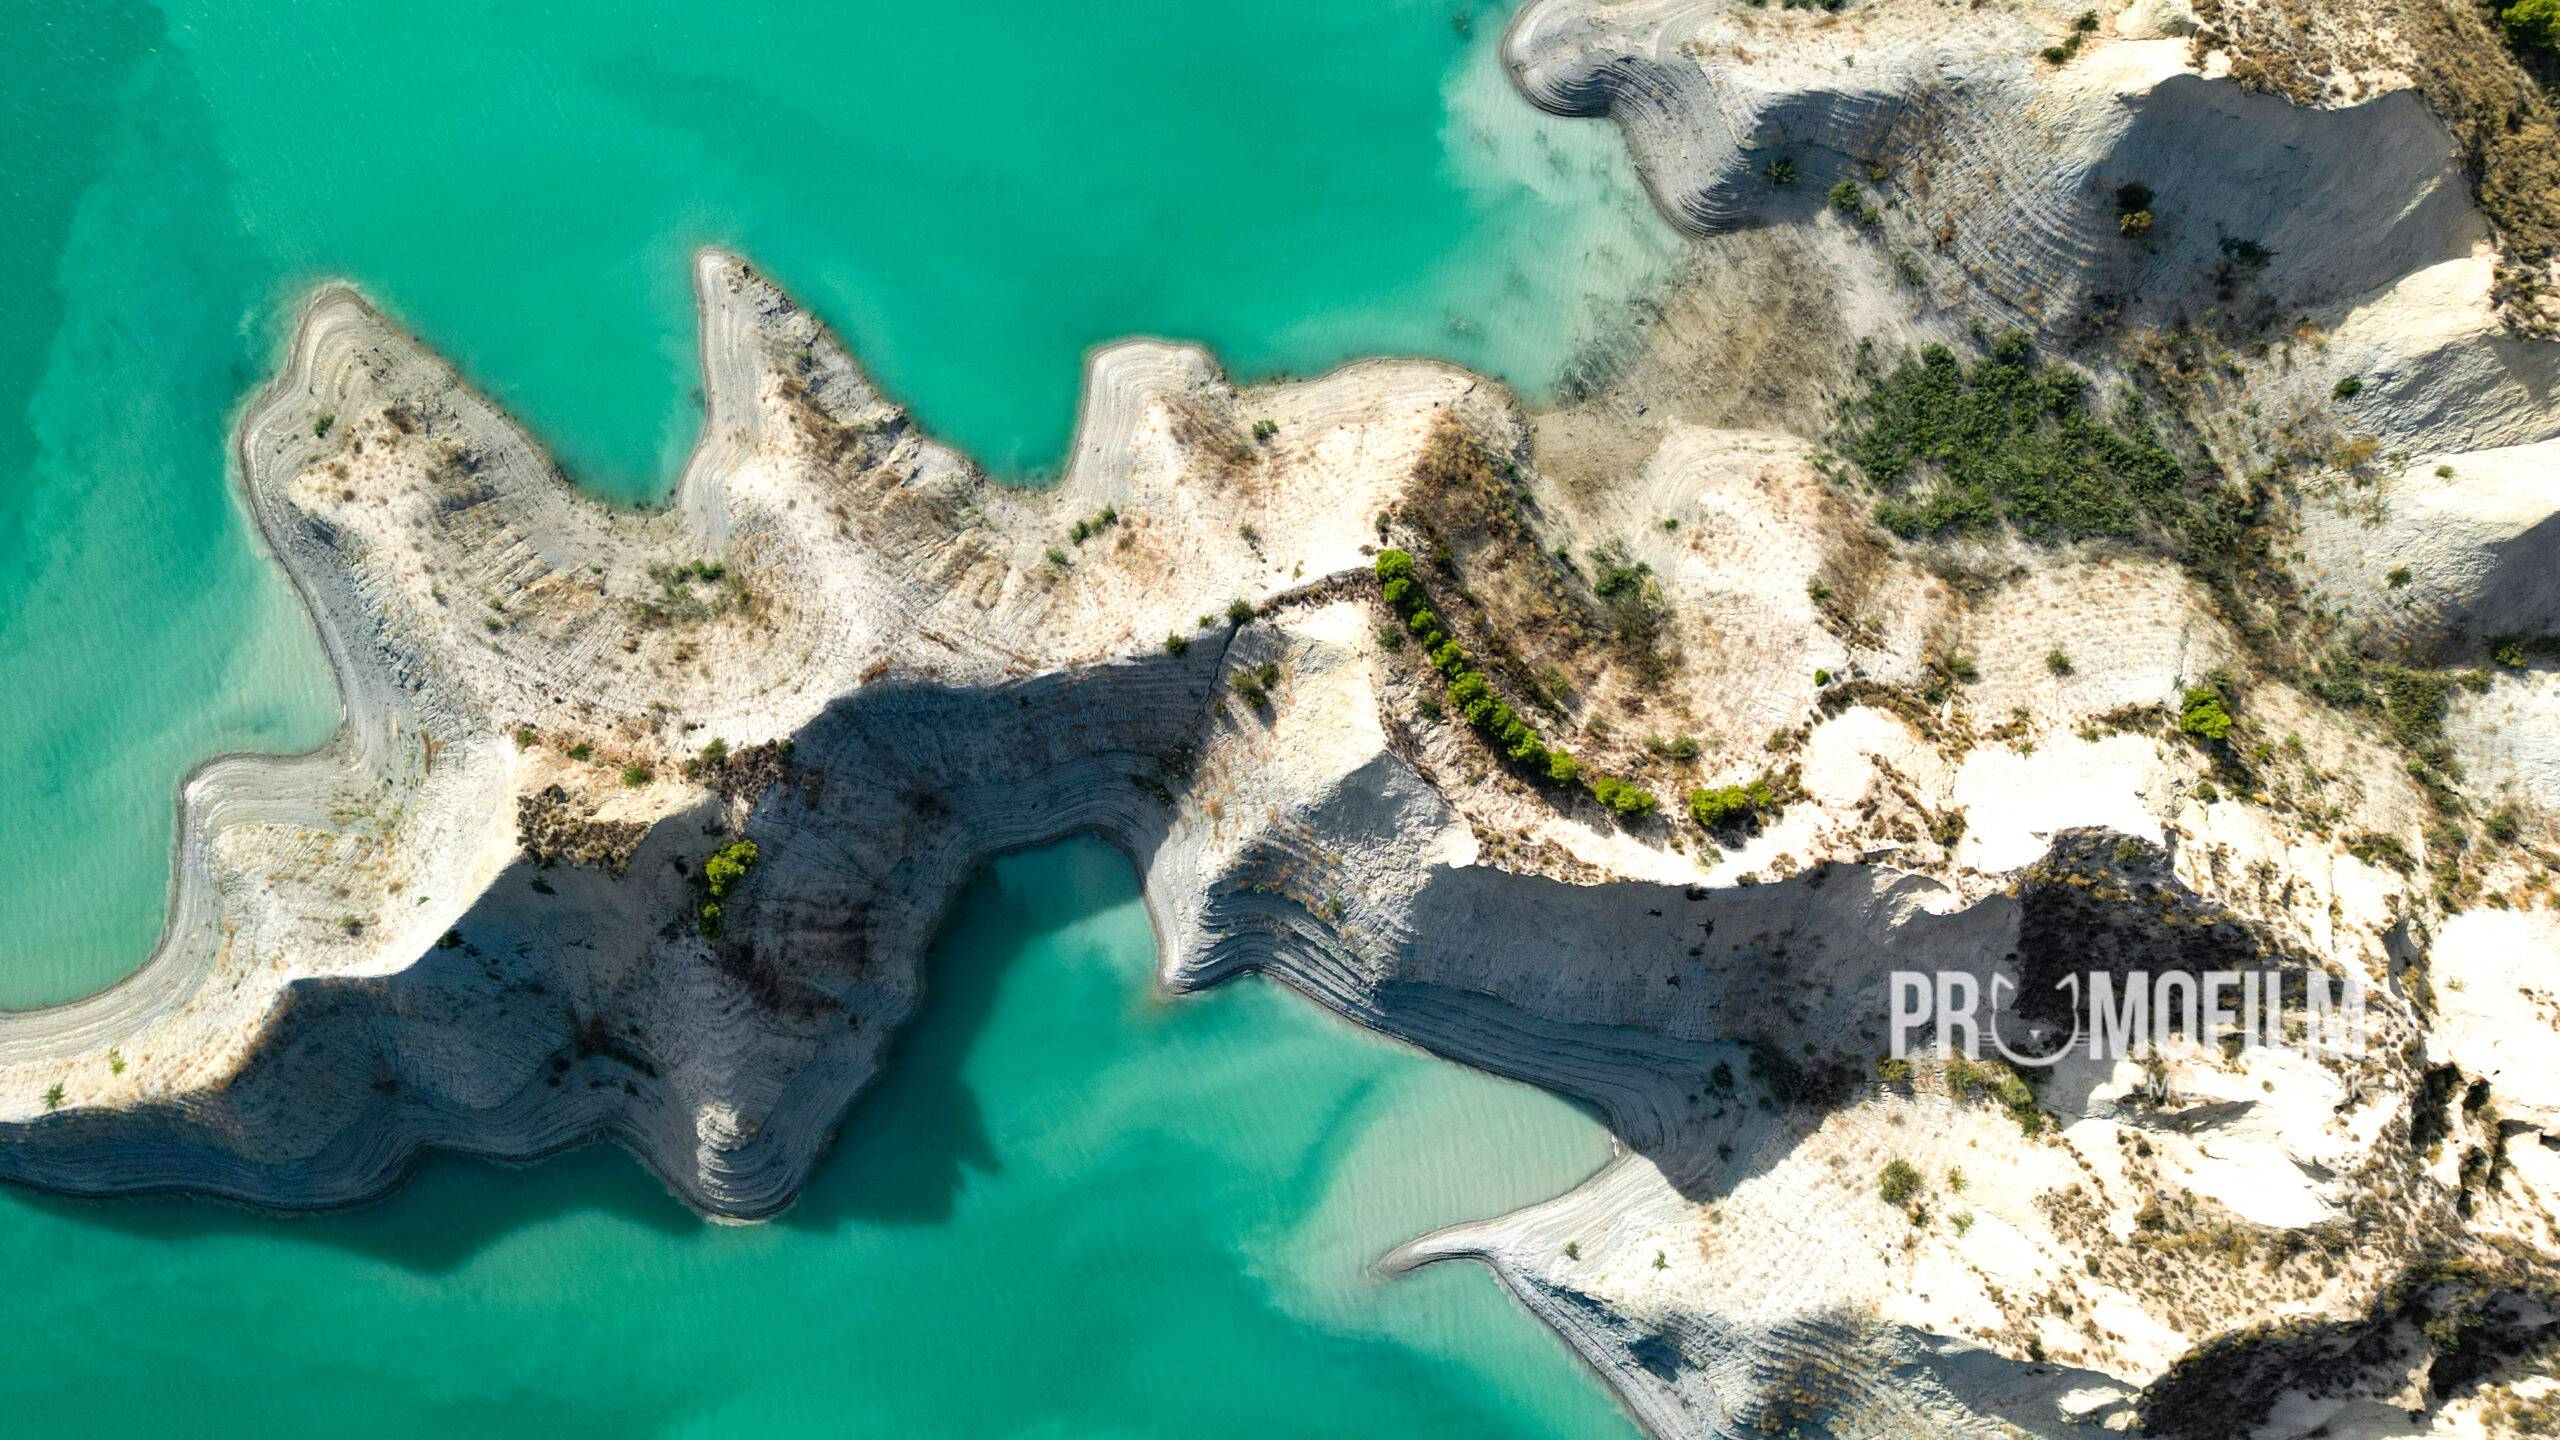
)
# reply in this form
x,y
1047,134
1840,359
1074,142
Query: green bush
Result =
x,y
1683,748
2202,714
2348,388
1394,565
727,866
1957,447
1846,198
721,872
2533,24
1730,805
1780,171
1238,613
1625,800
1899,1184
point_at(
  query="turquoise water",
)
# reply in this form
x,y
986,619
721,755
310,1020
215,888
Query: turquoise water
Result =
x,y
973,194
1072,1210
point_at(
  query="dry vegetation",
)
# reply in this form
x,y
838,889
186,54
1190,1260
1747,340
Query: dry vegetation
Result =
x,y
2504,121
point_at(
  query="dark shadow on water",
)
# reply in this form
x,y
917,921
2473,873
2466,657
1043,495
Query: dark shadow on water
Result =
x,y
900,1158
909,1144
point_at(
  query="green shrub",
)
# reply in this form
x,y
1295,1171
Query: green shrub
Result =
x,y
1263,430
2533,24
1627,801
2348,388
581,751
2202,714
1562,768
635,775
1682,748
721,872
727,866
1846,198
2057,662
1422,621
1956,447
1176,644
1899,1184
1399,593
1238,613
1731,805
1780,171
1394,565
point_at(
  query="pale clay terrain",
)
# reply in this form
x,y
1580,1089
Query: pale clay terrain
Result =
x,y
362,963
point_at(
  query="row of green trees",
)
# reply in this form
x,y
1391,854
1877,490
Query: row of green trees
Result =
x,y
1472,695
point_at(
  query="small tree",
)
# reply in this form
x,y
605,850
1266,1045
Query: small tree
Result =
x,y
2203,715
2533,24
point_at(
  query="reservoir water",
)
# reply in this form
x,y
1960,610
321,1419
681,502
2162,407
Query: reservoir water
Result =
x,y
1072,1210
973,195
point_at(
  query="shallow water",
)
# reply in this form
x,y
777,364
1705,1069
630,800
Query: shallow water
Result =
x,y
1072,1209
973,195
